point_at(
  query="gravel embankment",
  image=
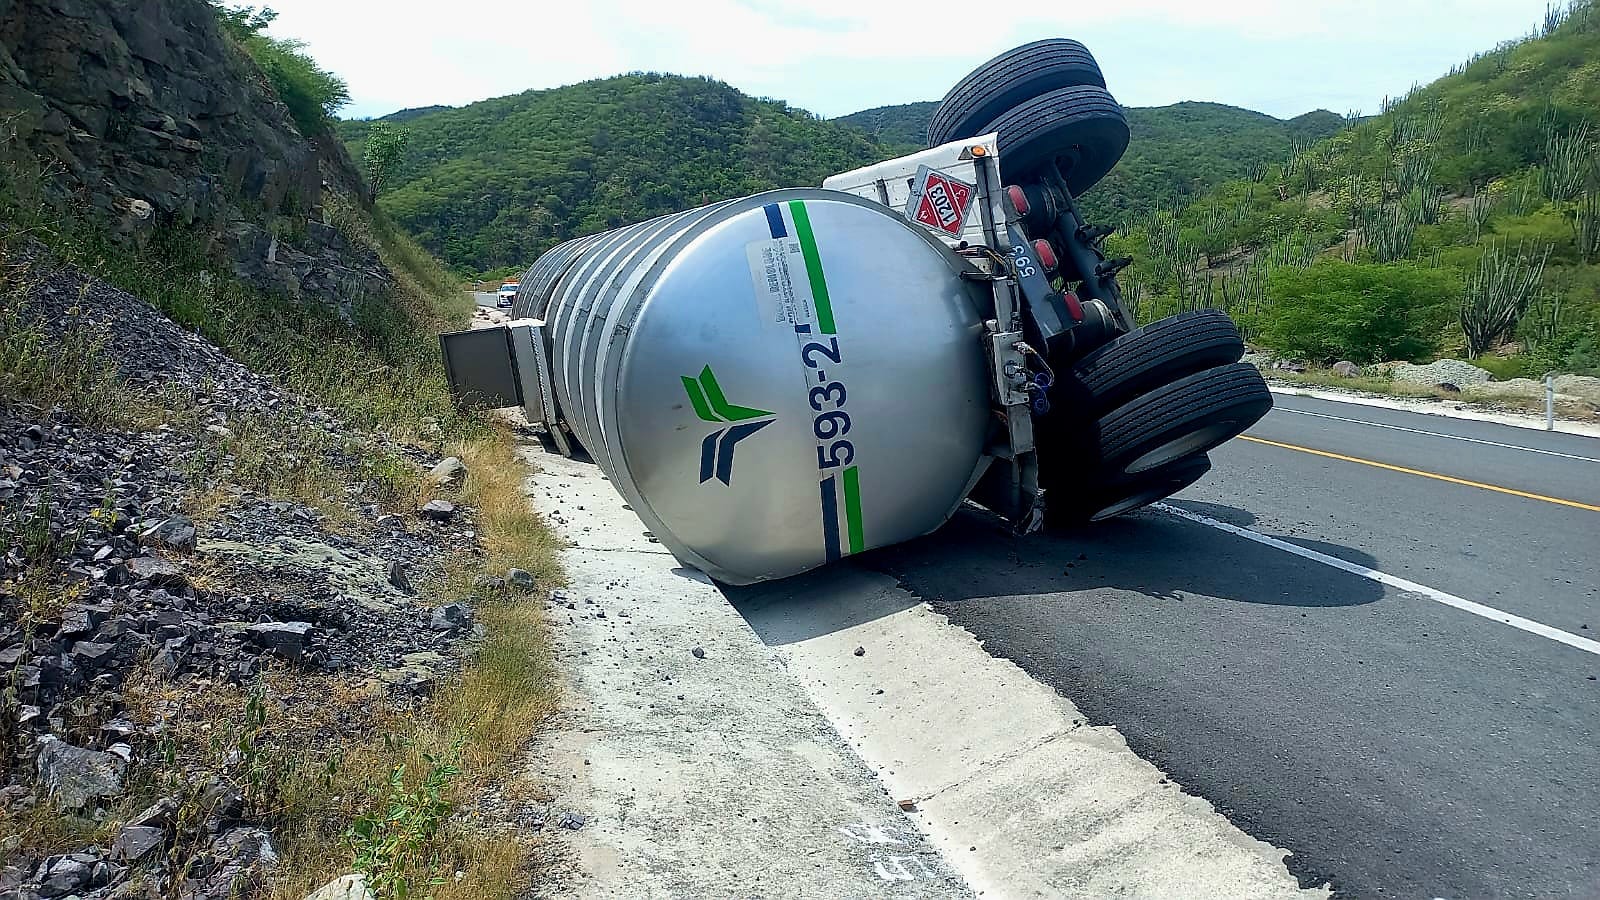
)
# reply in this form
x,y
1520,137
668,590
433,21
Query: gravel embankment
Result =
x,y
119,611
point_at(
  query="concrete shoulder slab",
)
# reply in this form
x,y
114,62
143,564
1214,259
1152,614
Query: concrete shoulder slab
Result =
x,y
1025,799
688,762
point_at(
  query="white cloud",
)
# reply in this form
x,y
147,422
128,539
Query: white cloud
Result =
x,y
1284,57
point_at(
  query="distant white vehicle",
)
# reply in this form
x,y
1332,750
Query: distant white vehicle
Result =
x,y
507,295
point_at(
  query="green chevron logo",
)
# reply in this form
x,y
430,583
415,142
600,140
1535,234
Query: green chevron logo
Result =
x,y
716,451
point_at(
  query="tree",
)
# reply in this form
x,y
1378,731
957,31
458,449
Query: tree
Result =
x,y
244,21
312,93
1360,312
382,152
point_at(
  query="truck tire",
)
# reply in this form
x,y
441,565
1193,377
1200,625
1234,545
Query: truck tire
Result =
x,y
1084,127
1149,487
1135,492
1013,77
1191,415
1156,354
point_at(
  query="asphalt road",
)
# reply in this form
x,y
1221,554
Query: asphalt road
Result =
x,y
1401,746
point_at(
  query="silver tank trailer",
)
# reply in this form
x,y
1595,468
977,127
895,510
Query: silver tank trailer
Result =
x,y
772,383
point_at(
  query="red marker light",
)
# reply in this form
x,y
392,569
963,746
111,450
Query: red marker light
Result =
x,y
1019,199
1046,255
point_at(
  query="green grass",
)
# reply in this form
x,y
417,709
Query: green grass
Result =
x,y
1505,368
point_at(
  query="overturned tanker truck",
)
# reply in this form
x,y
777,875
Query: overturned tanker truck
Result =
x,y
779,381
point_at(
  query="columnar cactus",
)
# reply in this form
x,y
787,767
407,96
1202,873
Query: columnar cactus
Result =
x,y
1499,292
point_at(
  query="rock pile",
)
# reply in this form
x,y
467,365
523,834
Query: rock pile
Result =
x,y
1441,371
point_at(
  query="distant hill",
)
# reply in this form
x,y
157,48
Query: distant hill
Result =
x,y
492,184
406,115
1177,151
903,127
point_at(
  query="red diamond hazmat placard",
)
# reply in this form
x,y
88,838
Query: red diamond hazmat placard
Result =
x,y
939,201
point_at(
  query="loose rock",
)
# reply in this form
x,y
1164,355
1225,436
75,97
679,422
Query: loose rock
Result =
x,y
450,472
345,887
155,572
176,533
397,577
75,777
451,617
438,510
284,639
135,842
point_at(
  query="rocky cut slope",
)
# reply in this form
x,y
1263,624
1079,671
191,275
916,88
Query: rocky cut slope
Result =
x,y
150,561
238,615
145,116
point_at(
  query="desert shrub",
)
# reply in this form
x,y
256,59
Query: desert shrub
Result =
x,y
1360,312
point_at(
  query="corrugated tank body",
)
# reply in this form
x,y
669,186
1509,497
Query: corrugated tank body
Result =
x,y
773,382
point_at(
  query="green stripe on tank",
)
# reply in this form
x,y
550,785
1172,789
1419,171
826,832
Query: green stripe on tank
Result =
x,y
808,249
852,509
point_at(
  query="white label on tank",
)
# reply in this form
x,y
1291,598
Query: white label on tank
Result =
x,y
778,274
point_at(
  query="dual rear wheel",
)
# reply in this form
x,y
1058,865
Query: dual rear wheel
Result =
x,y
1136,417
1142,412
1048,102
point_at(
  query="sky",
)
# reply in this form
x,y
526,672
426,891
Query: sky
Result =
x,y
1282,57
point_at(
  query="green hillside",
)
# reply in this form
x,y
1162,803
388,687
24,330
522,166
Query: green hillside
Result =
x,y
1177,151
491,185
904,127
1479,194
1180,150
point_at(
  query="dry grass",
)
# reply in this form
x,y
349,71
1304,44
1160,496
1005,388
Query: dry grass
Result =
x,y
67,367
486,715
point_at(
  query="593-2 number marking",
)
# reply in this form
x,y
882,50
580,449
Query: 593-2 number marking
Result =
x,y
831,423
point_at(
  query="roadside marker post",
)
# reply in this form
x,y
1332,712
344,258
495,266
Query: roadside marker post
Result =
x,y
1549,401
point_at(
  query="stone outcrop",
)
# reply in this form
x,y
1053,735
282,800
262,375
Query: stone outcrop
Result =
x,y
145,115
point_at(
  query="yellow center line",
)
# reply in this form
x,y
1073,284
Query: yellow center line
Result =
x,y
1378,465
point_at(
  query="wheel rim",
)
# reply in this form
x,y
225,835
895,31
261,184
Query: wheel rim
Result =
x,y
1195,441
1128,504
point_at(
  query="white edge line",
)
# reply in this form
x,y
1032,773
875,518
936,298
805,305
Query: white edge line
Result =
x,y
1438,408
1453,437
1438,596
